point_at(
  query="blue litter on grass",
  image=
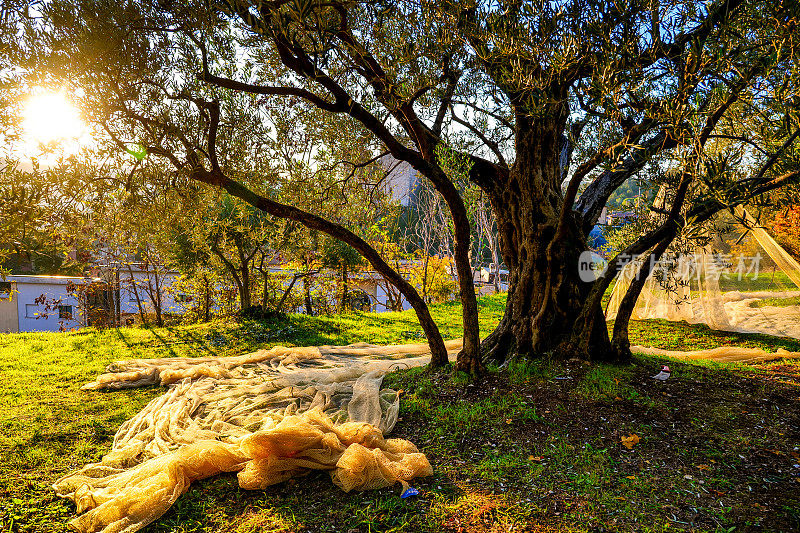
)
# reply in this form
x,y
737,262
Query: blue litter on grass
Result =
x,y
410,491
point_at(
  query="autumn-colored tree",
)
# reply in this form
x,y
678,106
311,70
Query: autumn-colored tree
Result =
x,y
785,229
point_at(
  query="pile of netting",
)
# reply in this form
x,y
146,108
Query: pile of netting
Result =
x,y
742,281
270,415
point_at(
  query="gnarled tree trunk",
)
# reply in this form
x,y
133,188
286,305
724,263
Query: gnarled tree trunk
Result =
x,y
541,249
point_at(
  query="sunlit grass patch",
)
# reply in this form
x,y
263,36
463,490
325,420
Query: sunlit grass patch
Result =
x,y
533,447
521,369
477,511
776,302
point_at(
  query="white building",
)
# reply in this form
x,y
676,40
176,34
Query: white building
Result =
x,y
402,180
375,287
139,285
55,303
41,303
484,280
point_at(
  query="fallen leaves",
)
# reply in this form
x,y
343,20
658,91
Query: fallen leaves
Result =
x,y
630,441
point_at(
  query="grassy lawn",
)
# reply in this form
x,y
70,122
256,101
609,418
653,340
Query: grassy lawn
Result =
x,y
777,302
765,280
537,449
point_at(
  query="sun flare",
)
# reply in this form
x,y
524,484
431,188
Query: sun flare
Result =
x,y
50,117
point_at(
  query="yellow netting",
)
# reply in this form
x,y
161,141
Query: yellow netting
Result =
x,y
742,282
269,416
723,354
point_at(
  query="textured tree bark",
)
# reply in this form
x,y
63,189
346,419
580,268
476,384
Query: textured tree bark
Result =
x,y
246,295
545,304
343,306
620,343
155,297
307,297
546,296
207,307
469,358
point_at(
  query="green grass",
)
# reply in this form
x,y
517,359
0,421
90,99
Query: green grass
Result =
x,y
766,280
684,336
777,302
544,441
536,448
37,367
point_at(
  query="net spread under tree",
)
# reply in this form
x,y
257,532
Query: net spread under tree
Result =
x,y
270,415
740,280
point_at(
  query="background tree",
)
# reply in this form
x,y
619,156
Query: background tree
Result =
x,y
237,236
197,112
786,229
347,261
563,103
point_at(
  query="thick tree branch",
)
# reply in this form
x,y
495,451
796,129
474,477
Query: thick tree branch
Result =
x,y
447,98
612,151
227,83
595,196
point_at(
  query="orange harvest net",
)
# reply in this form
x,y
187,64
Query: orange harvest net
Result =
x,y
270,415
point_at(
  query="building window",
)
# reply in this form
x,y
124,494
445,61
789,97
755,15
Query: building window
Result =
x,y
32,311
65,312
5,289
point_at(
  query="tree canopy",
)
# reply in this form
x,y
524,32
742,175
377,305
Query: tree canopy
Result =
x,y
555,105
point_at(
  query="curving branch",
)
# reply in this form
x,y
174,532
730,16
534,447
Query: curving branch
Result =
x,y
493,146
594,197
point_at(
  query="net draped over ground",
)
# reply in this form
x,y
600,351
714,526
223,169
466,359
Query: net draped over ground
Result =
x,y
742,281
269,416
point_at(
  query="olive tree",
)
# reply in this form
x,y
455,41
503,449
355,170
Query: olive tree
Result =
x,y
562,102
